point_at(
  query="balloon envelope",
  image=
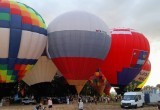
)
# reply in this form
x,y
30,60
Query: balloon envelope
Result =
x,y
22,39
140,78
145,73
98,81
43,71
129,51
107,89
78,43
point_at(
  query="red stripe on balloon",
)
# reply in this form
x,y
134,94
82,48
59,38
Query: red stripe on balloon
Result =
x,y
75,68
5,5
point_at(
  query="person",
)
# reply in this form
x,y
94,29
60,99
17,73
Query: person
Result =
x,y
116,98
80,105
158,106
108,99
49,103
67,100
37,107
86,100
95,100
1,102
43,108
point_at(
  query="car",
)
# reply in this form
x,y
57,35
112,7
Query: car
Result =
x,y
63,99
56,100
28,101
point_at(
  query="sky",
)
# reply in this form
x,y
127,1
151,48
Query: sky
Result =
x,y
141,15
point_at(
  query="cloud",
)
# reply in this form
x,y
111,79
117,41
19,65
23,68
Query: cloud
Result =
x,y
142,15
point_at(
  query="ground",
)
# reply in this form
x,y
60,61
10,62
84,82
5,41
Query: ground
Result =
x,y
99,106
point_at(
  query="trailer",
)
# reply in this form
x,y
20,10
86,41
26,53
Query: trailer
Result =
x,y
151,98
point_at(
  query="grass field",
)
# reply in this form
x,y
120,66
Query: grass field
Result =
x,y
99,106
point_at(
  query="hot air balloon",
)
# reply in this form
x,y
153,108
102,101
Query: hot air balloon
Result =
x,y
22,40
140,78
78,43
144,75
43,71
129,51
107,89
140,86
41,76
98,82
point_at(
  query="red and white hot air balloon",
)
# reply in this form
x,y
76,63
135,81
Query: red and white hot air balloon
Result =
x,y
128,53
78,43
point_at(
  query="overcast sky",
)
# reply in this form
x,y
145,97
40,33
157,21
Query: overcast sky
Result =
x,y
141,15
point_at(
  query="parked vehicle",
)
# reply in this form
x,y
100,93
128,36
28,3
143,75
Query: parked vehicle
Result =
x,y
56,100
28,101
152,98
132,99
63,99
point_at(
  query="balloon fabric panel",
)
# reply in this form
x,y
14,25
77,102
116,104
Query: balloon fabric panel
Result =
x,y
78,44
4,43
140,78
43,71
71,67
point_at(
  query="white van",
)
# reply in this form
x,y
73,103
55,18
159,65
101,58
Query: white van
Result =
x,y
132,99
